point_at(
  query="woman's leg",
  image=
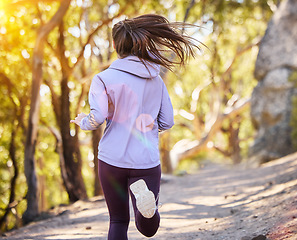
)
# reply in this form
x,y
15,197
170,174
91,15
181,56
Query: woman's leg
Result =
x,y
152,176
114,182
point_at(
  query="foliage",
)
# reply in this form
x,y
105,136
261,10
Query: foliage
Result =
x,y
228,27
223,75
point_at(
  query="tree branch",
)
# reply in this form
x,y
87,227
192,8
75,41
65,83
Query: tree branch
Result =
x,y
55,101
237,55
90,37
230,113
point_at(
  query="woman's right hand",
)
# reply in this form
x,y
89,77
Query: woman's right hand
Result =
x,y
78,119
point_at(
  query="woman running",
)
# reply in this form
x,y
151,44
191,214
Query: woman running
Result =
x,y
131,96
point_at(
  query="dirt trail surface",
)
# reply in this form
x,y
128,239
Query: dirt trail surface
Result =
x,y
217,202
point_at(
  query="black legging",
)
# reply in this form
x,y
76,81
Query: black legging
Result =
x,y
115,183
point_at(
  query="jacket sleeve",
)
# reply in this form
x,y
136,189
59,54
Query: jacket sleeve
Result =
x,y
98,106
165,117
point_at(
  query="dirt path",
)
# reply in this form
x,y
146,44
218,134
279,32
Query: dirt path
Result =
x,y
218,202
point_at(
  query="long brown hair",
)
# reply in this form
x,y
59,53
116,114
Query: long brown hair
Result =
x,y
147,35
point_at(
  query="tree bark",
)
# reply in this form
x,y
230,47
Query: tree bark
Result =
x,y
72,157
234,141
42,186
164,152
96,136
32,210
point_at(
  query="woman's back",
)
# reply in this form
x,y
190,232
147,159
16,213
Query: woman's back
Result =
x,y
141,106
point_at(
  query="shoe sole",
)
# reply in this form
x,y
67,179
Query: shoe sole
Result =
x,y
145,199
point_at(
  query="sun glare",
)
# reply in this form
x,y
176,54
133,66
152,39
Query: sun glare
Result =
x,y
2,4
3,9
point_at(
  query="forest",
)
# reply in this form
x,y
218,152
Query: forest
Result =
x,y
50,51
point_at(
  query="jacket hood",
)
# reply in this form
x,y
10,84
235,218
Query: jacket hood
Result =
x,y
133,65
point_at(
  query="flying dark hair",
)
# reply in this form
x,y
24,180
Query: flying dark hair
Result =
x,y
150,36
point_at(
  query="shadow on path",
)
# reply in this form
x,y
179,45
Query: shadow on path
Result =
x,y
218,202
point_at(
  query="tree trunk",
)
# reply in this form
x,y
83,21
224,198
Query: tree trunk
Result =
x,y
76,190
73,162
234,141
42,186
164,152
96,136
32,210
11,203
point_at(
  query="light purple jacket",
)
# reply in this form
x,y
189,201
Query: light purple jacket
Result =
x,y
141,107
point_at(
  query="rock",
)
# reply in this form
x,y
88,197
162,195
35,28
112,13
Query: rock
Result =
x,y
260,237
278,47
64,212
233,211
271,99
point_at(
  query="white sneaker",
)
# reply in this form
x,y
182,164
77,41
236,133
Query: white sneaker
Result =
x,y
145,199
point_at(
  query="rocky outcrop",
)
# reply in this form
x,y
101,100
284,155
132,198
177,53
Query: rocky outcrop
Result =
x,y
271,101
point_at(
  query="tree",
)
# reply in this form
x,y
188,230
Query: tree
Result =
x,y
216,113
16,124
32,194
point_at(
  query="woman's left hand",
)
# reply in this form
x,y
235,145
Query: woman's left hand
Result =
x,y
78,119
